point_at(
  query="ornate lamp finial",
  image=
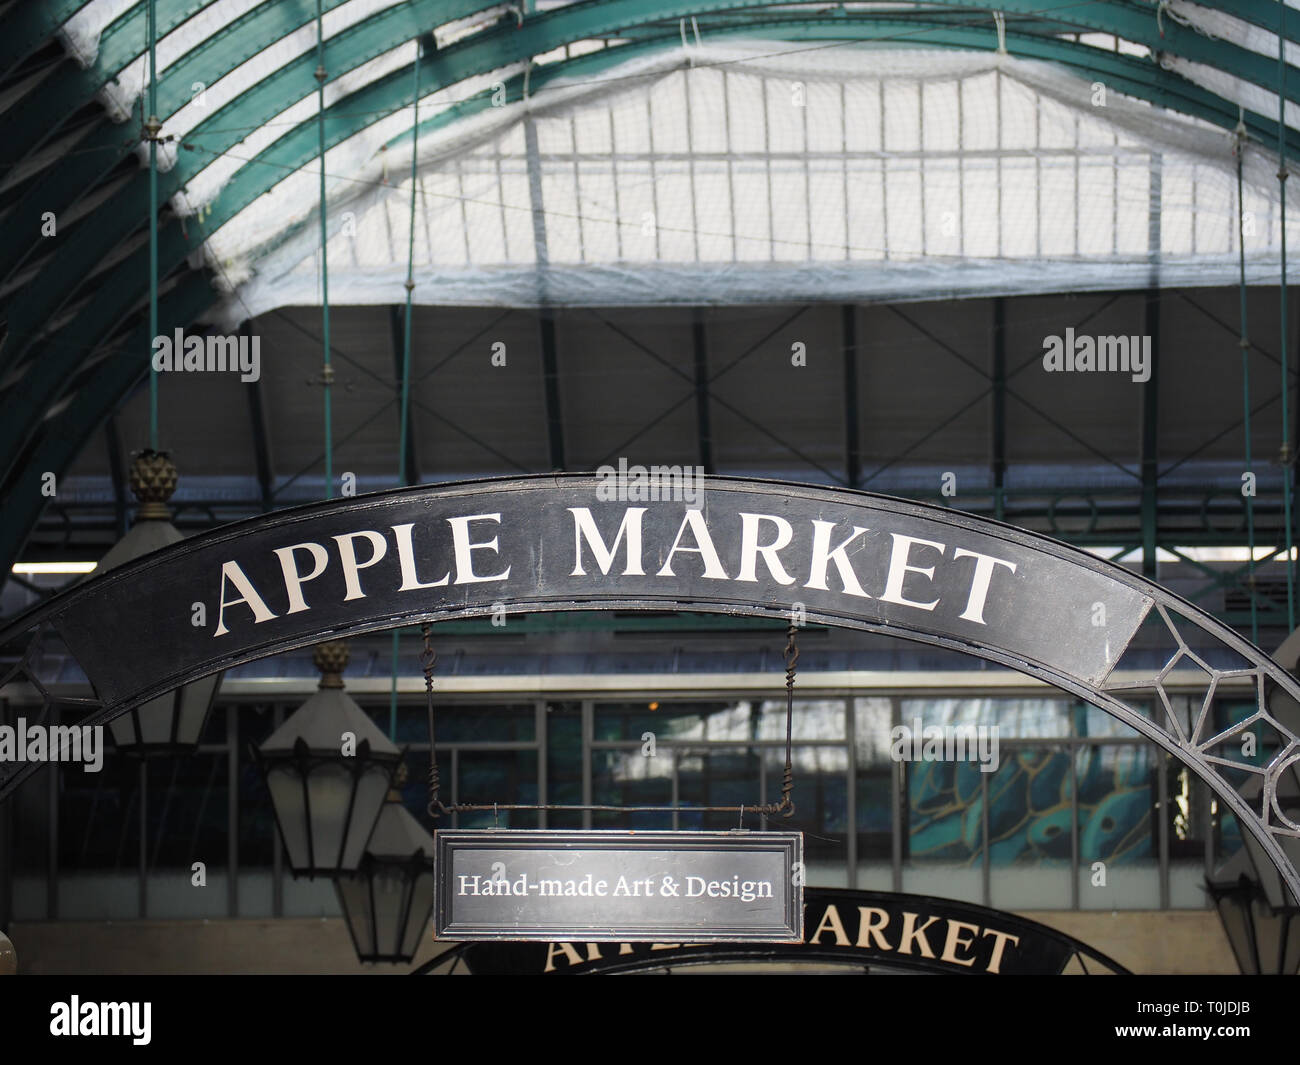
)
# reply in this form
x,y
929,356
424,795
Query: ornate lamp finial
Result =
x,y
153,480
331,659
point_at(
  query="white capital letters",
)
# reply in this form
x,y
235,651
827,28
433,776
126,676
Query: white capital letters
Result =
x,y
348,556
750,550
234,573
979,585
822,554
708,553
406,558
584,525
899,569
293,580
460,541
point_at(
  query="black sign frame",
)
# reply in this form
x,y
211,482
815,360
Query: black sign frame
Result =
x,y
1068,619
609,844
1038,950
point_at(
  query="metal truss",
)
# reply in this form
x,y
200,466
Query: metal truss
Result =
x,y
638,24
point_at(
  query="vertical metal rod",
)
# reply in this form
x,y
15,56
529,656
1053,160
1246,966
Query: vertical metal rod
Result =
x,y
151,125
1286,456
327,377
1244,344
404,471
1150,444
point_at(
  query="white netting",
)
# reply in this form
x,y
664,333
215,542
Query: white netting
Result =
x,y
769,171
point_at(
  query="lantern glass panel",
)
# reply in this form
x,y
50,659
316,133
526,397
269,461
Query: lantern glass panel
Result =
x,y
421,907
329,791
285,786
354,898
372,789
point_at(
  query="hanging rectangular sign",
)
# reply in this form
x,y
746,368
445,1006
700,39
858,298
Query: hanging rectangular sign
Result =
x,y
619,886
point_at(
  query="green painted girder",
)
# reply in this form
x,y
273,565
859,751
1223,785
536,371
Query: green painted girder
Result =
x,y
23,129
98,318
394,26
58,188
66,433
30,25
1263,15
300,145
475,55
114,220
380,98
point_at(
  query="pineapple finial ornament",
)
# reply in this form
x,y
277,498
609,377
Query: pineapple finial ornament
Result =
x,y
153,480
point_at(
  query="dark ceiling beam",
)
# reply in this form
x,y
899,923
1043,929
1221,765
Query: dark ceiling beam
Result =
x,y
700,357
261,441
998,413
397,334
852,433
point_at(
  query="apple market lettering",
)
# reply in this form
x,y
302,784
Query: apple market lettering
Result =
x,y
479,549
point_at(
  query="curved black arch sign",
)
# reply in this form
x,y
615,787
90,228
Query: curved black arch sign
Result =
x,y
554,543
580,541
865,928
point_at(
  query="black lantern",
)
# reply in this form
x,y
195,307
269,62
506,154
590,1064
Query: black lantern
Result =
x,y
388,899
1258,912
171,724
328,769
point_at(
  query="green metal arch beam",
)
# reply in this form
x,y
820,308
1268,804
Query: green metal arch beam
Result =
x,y
482,53
24,129
115,220
376,35
57,98
289,154
1124,71
1263,15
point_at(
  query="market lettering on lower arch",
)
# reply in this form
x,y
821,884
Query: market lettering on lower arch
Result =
x,y
475,549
